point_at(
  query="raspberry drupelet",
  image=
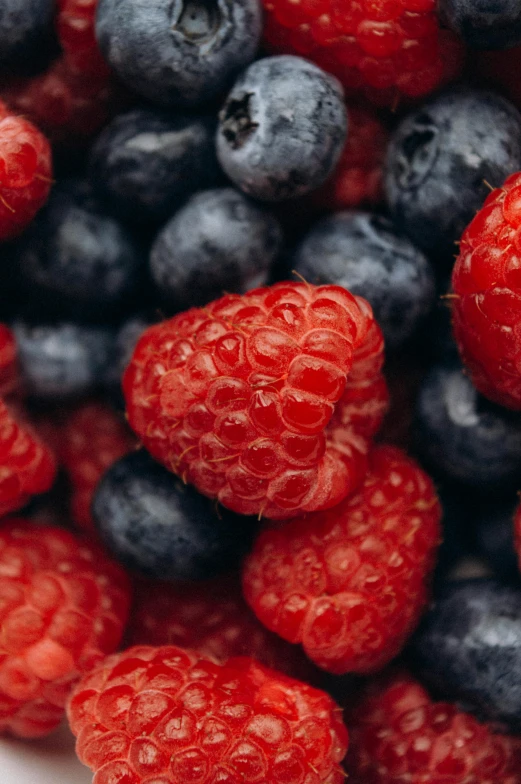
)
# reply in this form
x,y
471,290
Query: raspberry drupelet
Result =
x,y
63,607
350,583
165,715
266,401
401,736
212,618
486,281
27,465
25,172
385,48
91,439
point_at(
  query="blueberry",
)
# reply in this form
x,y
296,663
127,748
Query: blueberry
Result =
x,y
26,32
81,262
146,162
441,158
125,342
178,52
153,523
468,648
484,24
463,436
220,241
362,253
493,523
63,360
282,128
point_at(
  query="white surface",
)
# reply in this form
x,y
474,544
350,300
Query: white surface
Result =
x,y
47,761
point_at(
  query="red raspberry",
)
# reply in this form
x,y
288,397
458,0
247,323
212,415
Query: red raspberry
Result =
x,y
63,606
487,305
70,107
212,618
8,366
75,25
387,48
27,466
25,172
266,401
164,715
400,736
350,583
91,439
357,179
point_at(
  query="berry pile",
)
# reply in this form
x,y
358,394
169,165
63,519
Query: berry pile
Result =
x,y
260,389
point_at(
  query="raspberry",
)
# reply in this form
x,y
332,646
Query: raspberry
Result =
x,y
266,401
8,366
63,606
350,583
487,305
212,618
70,107
357,179
25,172
75,25
92,438
164,715
387,48
27,466
400,736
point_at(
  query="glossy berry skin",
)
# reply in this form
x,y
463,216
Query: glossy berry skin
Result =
x,y
63,360
464,437
220,241
91,439
390,50
70,107
363,253
484,25
158,527
167,715
357,179
468,648
178,53
401,735
8,361
212,618
75,28
81,262
262,152
146,162
25,172
439,162
64,607
25,32
487,305
266,401
350,583
27,466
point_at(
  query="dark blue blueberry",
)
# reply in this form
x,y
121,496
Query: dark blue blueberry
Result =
x,y
178,52
493,524
484,24
362,253
63,360
441,158
154,524
464,437
468,648
219,242
26,32
123,348
79,261
146,162
282,128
